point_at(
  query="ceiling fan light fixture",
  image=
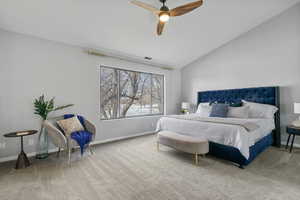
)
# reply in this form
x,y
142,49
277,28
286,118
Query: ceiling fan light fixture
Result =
x,y
164,16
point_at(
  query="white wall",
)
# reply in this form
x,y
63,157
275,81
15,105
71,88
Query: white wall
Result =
x,y
30,67
268,55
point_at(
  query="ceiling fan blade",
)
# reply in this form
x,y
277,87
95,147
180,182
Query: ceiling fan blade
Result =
x,y
160,27
146,6
181,10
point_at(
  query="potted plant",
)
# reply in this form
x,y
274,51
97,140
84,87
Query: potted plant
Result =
x,y
43,108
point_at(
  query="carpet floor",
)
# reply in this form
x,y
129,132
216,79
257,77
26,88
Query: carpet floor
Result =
x,y
134,170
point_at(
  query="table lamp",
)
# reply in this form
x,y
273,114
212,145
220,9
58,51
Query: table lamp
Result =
x,y
185,107
296,111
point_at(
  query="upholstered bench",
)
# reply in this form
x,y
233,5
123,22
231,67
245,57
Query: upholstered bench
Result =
x,y
188,144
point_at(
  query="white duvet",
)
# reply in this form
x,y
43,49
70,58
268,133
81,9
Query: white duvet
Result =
x,y
227,134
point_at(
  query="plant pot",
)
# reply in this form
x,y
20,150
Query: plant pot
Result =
x,y
42,145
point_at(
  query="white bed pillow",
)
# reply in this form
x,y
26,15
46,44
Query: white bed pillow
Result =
x,y
204,110
258,110
238,112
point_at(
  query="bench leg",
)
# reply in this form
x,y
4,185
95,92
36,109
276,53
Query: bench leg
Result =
x,y
196,158
157,146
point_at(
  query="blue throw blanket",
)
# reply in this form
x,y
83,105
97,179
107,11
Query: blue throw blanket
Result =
x,y
81,137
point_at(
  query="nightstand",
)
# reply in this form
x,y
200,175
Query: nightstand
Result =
x,y
292,130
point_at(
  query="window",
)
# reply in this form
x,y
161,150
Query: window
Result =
x,y
125,93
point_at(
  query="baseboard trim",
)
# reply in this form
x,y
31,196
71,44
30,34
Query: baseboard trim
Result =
x,y
122,138
32,154
295,145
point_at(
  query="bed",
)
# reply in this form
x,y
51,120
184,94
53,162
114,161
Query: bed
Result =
x,y
222,140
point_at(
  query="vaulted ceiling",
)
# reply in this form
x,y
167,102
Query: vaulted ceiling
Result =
x,y
119,27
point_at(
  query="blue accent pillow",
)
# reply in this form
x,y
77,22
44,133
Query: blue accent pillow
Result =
x,y
219,110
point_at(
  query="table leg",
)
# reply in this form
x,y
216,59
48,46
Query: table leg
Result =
x,y
287,143
22,161
292,143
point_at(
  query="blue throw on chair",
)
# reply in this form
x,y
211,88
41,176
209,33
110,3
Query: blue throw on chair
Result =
x,y
82,138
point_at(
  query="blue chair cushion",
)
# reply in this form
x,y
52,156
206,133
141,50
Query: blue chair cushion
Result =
x,y
219,110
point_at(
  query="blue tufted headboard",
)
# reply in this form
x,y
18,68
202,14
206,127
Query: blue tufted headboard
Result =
x,y
265,95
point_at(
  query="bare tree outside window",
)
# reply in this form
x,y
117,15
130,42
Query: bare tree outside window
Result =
x,y
157,94
126,93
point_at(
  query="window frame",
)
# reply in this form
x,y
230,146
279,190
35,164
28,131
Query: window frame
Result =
x,y
119,96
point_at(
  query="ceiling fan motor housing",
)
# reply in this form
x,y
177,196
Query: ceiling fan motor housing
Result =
x,y
164,8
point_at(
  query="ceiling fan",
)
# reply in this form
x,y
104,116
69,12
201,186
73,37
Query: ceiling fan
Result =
x,y
164,13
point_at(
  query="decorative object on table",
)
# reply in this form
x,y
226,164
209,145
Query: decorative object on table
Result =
x,y
292,130
43,108
185,108
68,142
22,160
297,111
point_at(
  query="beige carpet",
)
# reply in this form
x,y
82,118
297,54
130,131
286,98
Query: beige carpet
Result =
x,y
133,169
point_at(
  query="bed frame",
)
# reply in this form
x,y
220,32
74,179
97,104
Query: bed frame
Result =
x,y
265,95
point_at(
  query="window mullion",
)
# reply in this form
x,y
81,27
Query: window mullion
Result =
x,y
162,86
151,95
119,106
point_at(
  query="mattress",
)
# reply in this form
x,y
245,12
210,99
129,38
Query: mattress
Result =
x,y
226,134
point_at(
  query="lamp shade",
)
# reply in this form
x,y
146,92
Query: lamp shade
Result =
x,y
297,108
185,105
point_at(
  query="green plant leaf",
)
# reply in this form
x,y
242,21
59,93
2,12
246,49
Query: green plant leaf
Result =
x,y
63,107
43,108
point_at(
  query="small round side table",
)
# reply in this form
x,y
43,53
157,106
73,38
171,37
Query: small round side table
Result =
x,y
22,161
292,130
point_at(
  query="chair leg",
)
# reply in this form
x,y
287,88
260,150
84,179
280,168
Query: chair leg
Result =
x,y
91,149
196,158
157,146
69,156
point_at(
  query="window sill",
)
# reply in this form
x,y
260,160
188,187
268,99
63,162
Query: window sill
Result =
x,y
132,118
